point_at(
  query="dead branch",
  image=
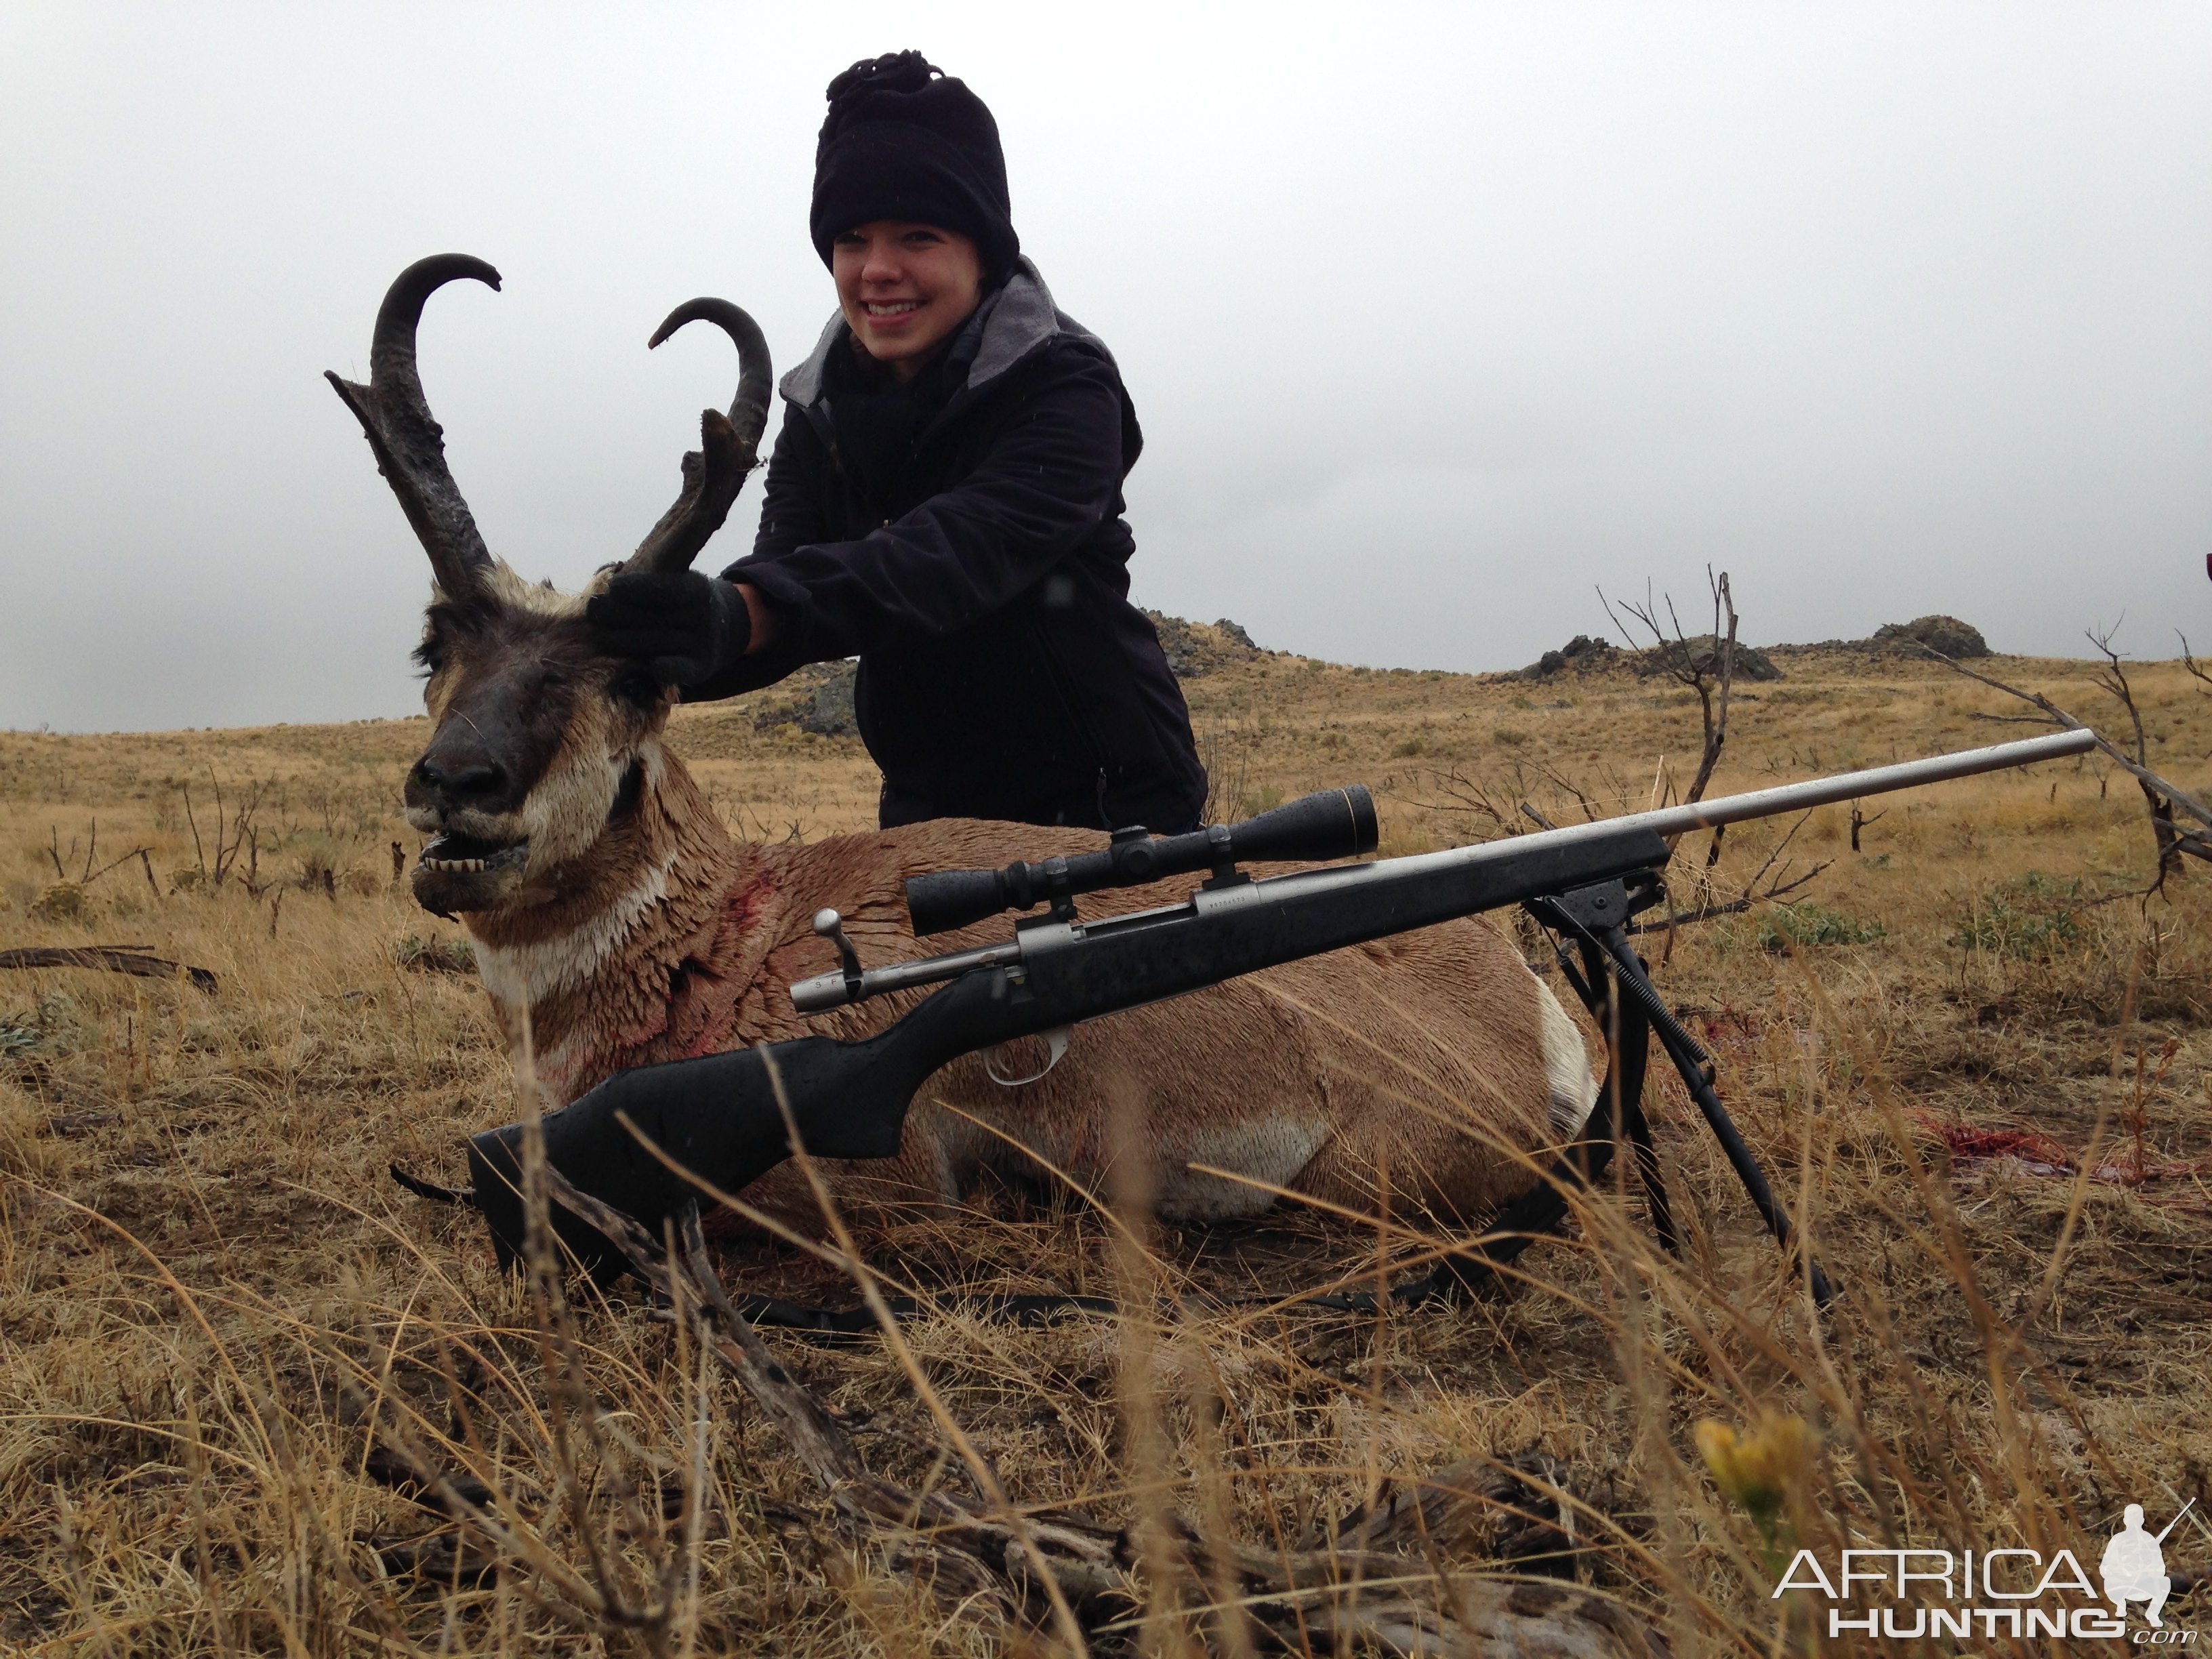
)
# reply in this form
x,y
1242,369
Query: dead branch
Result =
x,y
1861,821
1780,888
1710,674
2114,678
1468,795
1561,780
1499,801
2163,796
1733,907
1780,848
115,958
236,836
2058,717
94,875
2202,675
86,875
199,853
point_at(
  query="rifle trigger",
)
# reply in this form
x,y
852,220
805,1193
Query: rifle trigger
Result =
x,y
1056,1040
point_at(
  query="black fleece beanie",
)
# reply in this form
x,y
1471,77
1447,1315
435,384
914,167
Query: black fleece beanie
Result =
x,y
902,140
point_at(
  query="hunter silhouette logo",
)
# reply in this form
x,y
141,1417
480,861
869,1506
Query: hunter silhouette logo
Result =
x,y
2134,1567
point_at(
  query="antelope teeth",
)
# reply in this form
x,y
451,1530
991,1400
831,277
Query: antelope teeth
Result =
x,y
510,856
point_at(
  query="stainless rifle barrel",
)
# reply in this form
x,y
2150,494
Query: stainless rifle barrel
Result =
x,y
1845,785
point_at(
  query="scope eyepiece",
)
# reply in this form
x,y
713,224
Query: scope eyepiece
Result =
x,y
1332,823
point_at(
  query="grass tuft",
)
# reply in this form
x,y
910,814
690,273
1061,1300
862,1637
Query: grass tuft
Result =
x,y
2030,915
1811,923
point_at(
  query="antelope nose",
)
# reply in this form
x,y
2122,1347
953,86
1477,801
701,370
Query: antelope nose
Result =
x,y
467,785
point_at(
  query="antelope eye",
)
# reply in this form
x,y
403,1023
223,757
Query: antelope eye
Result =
x,y
637,687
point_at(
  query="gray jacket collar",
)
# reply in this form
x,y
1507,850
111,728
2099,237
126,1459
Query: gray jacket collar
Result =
x,y
1015,320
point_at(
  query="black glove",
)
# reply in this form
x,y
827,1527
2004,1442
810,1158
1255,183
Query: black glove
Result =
x,y
685,628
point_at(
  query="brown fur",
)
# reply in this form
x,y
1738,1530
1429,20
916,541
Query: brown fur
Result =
x,y
1417,1061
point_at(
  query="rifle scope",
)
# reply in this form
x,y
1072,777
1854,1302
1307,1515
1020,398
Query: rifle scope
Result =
x,y
1334,823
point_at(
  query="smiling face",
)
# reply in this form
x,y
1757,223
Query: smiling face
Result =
x,y
539,746
904,288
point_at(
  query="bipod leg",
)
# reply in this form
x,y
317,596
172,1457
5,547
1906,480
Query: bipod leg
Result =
x,y
1590,916
1696,1068
1627,1030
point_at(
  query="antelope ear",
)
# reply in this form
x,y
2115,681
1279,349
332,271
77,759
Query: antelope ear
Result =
x,y
410,446
729,446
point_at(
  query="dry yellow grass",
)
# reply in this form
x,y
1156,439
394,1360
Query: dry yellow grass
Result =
x,y
211,1294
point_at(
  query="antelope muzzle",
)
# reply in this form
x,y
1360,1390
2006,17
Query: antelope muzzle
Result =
x,y
467,791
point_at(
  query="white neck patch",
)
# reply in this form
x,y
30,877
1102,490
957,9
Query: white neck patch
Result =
x,y
524,975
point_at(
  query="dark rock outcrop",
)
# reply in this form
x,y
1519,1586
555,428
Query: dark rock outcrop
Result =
x,y
817,698
1233,633
1582,654
1198,648
1702,652
1947,634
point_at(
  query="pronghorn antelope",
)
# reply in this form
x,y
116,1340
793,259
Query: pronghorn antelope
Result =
x,y
617,922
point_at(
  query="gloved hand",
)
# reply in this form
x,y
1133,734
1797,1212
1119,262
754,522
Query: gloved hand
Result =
x,y
685,628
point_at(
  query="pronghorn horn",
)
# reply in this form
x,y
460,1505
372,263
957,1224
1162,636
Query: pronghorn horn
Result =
x,y
409,445
728,445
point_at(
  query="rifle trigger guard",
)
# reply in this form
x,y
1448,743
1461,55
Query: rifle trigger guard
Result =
x,y
1056,1040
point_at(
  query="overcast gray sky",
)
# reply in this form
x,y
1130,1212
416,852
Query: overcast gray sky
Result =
x,y
1436,319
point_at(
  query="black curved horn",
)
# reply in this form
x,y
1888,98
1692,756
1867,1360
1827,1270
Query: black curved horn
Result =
x,y
729,446
408,444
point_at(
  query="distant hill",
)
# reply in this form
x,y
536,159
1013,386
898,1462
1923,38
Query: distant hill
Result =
x,y
1584,654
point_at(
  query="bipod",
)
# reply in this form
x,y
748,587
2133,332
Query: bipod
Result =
x,y
1613,984
1615,988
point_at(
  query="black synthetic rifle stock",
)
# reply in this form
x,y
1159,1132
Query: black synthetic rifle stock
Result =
x,y
719,1116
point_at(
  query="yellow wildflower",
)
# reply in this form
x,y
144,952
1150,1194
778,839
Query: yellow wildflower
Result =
x,y
1759,1469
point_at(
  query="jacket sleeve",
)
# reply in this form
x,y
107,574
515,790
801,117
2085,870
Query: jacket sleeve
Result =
x,y
1053,472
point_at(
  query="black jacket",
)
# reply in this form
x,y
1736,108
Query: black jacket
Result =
x,y
964,537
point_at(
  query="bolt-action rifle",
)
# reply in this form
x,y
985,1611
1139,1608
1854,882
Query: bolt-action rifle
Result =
x,y
719,1117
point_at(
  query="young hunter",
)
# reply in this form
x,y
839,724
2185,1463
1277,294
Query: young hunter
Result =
x,y
945,502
